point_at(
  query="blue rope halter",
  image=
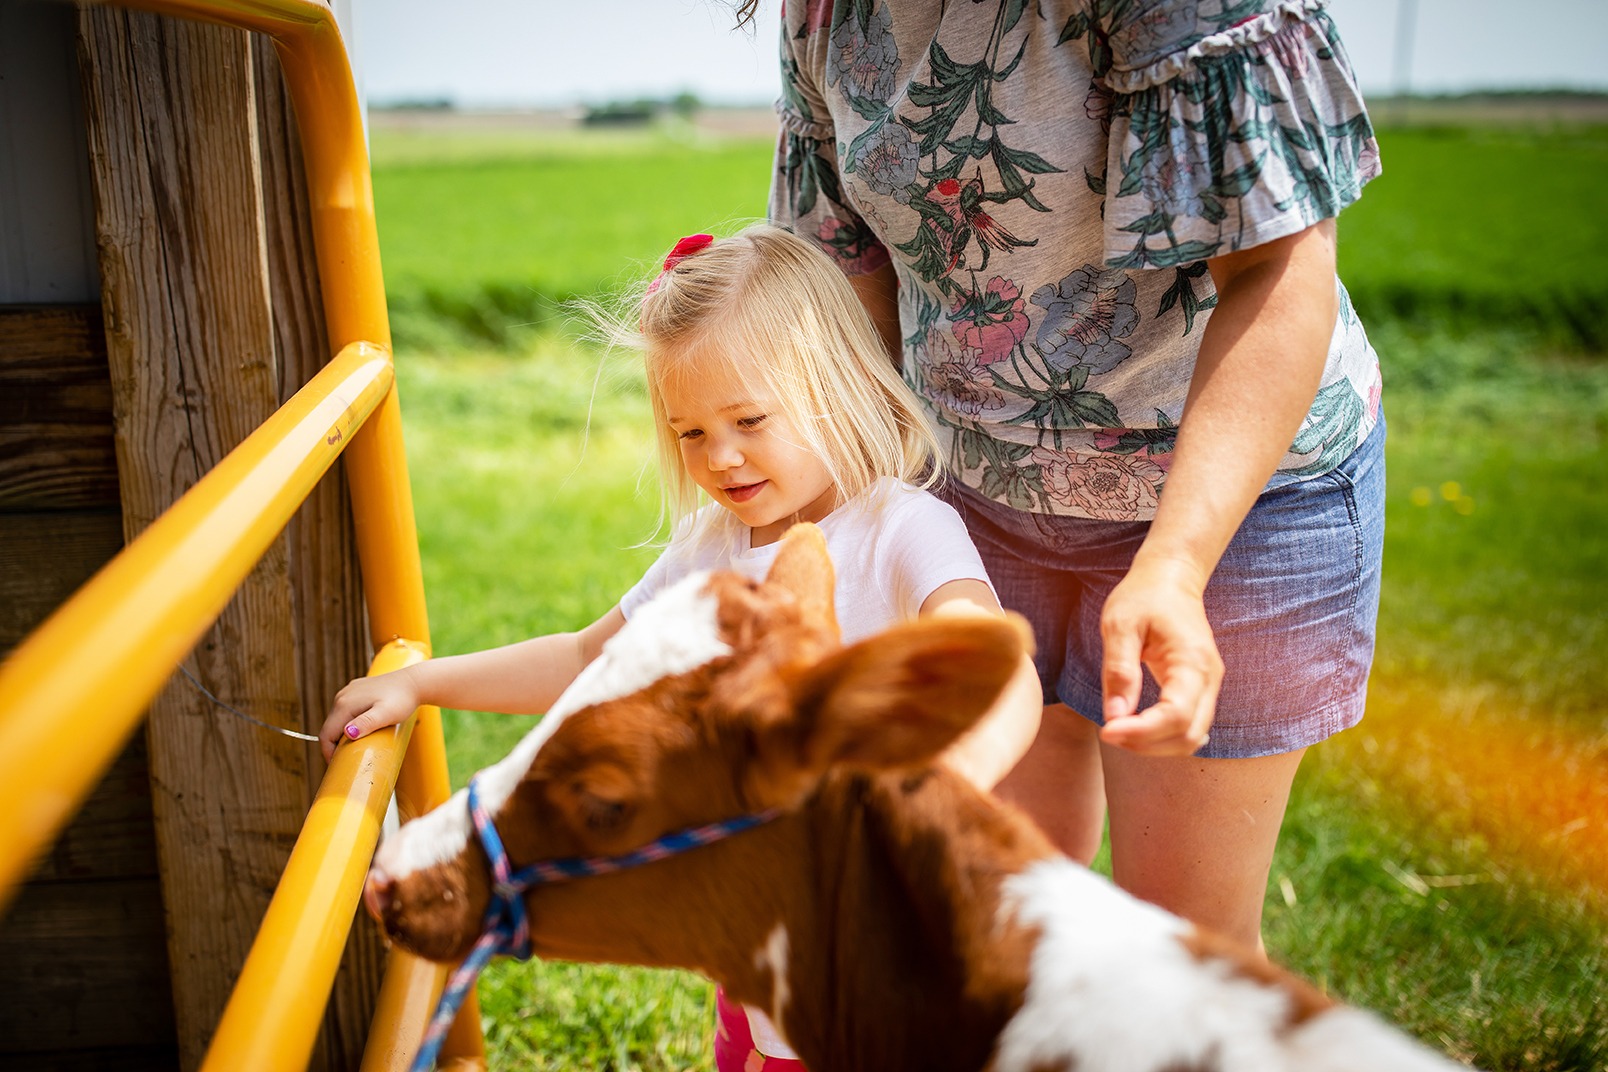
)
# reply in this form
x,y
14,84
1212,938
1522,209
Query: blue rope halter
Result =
x,y
505,928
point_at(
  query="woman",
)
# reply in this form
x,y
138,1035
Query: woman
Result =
x,y
1099,238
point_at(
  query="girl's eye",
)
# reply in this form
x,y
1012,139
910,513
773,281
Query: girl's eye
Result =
x,y
690,433
754,421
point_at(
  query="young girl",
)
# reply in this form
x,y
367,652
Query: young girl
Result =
x,y
773,397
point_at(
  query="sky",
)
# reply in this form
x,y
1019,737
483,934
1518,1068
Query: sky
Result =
x,y
511,53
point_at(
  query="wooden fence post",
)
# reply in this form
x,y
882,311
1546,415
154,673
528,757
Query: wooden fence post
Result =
x,y
212,319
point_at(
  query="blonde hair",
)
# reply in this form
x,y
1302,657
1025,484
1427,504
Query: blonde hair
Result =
x,y
773,310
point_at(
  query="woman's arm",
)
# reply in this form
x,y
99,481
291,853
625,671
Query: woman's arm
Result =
x,y
519,679
1261,360
991,748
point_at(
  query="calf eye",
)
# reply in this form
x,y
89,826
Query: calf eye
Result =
x,y
603,814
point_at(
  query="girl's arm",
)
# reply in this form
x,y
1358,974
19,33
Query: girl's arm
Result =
x,y
991,748
519,679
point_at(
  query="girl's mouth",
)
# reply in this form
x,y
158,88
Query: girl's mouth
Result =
x,y
743,492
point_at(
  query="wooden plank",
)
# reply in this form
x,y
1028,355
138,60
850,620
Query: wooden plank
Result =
x,y
41,338
172,126
104,1059
69,981
332,637
113,835
44,557
56,449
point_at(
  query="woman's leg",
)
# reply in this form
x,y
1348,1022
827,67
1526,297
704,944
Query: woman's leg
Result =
x,y
1196,836
1292,604
1058,782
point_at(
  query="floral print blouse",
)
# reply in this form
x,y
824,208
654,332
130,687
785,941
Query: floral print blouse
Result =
x,y
1048,180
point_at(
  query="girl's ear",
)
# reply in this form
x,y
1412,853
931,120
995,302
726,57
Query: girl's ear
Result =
x,y
804,568
903,696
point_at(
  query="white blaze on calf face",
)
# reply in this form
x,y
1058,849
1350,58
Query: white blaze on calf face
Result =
x,y
677,631
1142,1000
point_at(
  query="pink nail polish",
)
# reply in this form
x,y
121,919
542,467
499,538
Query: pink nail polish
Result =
x,y
352,732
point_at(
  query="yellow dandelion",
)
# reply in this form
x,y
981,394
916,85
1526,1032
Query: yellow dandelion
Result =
x,y
1451,490
1464,505
1421,496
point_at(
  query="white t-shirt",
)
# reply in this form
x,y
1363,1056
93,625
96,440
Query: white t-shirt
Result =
x,y
891,547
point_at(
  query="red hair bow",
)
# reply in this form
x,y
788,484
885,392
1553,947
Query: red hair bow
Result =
x,y
680,252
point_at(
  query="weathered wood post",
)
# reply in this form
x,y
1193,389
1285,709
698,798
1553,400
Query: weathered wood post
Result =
x,y
210,297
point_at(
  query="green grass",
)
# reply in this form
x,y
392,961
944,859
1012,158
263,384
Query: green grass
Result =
x,y
1513,592
532,495
1497,591
1497,972
1485,227
572,1016
484,233
481,245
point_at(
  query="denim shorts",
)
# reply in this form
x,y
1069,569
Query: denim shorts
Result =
x,y
1292,603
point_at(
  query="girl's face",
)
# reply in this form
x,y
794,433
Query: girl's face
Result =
x,y
740,448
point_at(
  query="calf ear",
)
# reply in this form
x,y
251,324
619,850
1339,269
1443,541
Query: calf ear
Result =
x,y
804,568
903,696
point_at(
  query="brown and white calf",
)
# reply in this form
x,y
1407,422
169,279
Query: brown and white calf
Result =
x,y
894,917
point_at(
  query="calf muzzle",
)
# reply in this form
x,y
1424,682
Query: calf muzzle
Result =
x,y
435,913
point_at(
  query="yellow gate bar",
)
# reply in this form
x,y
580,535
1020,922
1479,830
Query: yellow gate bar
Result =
x,y
72,693
273,1016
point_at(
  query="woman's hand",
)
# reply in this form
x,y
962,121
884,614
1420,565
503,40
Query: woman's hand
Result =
x,y
1261,360
1155,617
368,704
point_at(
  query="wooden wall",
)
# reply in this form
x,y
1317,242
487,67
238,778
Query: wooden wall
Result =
x,y
86,979
125,947
86,982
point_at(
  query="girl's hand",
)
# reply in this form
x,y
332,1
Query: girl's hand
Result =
x,y
368,704
1155,616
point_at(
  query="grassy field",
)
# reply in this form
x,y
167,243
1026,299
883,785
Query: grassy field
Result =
x,y
1395,885
1485,226
524,532
490,240
1496,555
1476,227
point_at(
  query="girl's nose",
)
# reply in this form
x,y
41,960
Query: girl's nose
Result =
x,y
723,455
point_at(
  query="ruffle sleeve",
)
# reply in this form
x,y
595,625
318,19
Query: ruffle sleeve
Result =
x,y
1227,134
807,194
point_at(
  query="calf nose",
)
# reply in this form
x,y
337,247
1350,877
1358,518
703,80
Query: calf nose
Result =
x,y
377,893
